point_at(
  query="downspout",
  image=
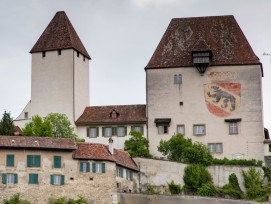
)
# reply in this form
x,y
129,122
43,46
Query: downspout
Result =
x,y
73,94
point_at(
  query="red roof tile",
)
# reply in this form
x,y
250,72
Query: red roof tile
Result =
x,y
220,34
59,34
37,143
102,114
92,151
124,159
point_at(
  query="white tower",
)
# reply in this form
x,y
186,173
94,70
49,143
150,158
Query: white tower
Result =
x,y
60,73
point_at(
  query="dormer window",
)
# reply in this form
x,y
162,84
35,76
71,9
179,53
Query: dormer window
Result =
x,y
201,60
114,114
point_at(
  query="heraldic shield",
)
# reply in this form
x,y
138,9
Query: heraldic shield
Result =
x,y
222,99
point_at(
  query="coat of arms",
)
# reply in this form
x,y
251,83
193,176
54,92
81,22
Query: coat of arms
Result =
x,y
222,99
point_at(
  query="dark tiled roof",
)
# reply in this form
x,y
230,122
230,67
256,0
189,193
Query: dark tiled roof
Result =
x,y
92,151
59,34
220,34
124,159
101,114
21,142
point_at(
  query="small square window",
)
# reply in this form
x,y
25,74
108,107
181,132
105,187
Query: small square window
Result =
x,y
121,131
162,129
93,132
33,179
233,128
180,129
199,130
215,147
177,79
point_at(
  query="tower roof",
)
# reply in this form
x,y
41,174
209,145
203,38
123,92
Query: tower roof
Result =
x,y
219,34
59,34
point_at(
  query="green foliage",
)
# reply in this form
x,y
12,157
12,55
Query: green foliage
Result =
x,y
232,188
53,125
253,182
137,145
267,173
38,127
208,190
63,200
6,125
174,188
15,199
151,190
178,148
241,162
197,153
195,176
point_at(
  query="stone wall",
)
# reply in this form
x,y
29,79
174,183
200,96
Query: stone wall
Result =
x,y
96,187
160,199
160,172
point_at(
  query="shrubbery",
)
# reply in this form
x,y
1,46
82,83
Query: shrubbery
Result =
x,y
194,177
174,188
63,200
233,189
241,162
207,189
15,199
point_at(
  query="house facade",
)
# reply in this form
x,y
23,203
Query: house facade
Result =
x,y
41,169
205,82
98,123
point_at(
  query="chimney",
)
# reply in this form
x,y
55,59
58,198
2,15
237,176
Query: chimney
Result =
x,y
111,145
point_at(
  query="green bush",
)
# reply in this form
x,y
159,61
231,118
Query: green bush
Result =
x,y
241,162
63,200
267,173
59,201
174,189
233,189
195,176
15,199
207,189
151,190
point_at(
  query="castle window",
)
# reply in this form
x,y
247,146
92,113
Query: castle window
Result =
x,y
233,125
201,60
25,115
215,147
119,172
162,129
9,178
93,132
43,54
199,130
84,167
177,79
33,160
10,160
180,129
57,161
77,54
121,131
59,52
98,167
84,58
138,129
57,179
33,179
129,175
162,124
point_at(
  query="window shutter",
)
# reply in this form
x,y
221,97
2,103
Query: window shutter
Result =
x,y
121,172
87,132
127,172
142,130
103,131
52,179
114,131
29,160
10,160
36,178
4,178
15,178
103,167
131,175
57,161
125,131
94,167
97,131
62,179
37,161
81,166
88,167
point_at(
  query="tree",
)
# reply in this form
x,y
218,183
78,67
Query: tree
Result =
x,y
178,148
137,145
53,125
38,127
6,125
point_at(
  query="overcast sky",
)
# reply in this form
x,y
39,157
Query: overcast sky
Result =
x,y
120,36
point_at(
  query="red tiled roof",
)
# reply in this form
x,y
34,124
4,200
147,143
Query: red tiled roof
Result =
x,y
20,142
92,151
220,34
59,34
124,159
101,114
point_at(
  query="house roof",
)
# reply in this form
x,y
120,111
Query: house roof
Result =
x,y
104,115
219,34
124,159
21,142
59,34
93,151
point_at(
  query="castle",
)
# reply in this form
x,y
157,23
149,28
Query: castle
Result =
x,y
203,81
